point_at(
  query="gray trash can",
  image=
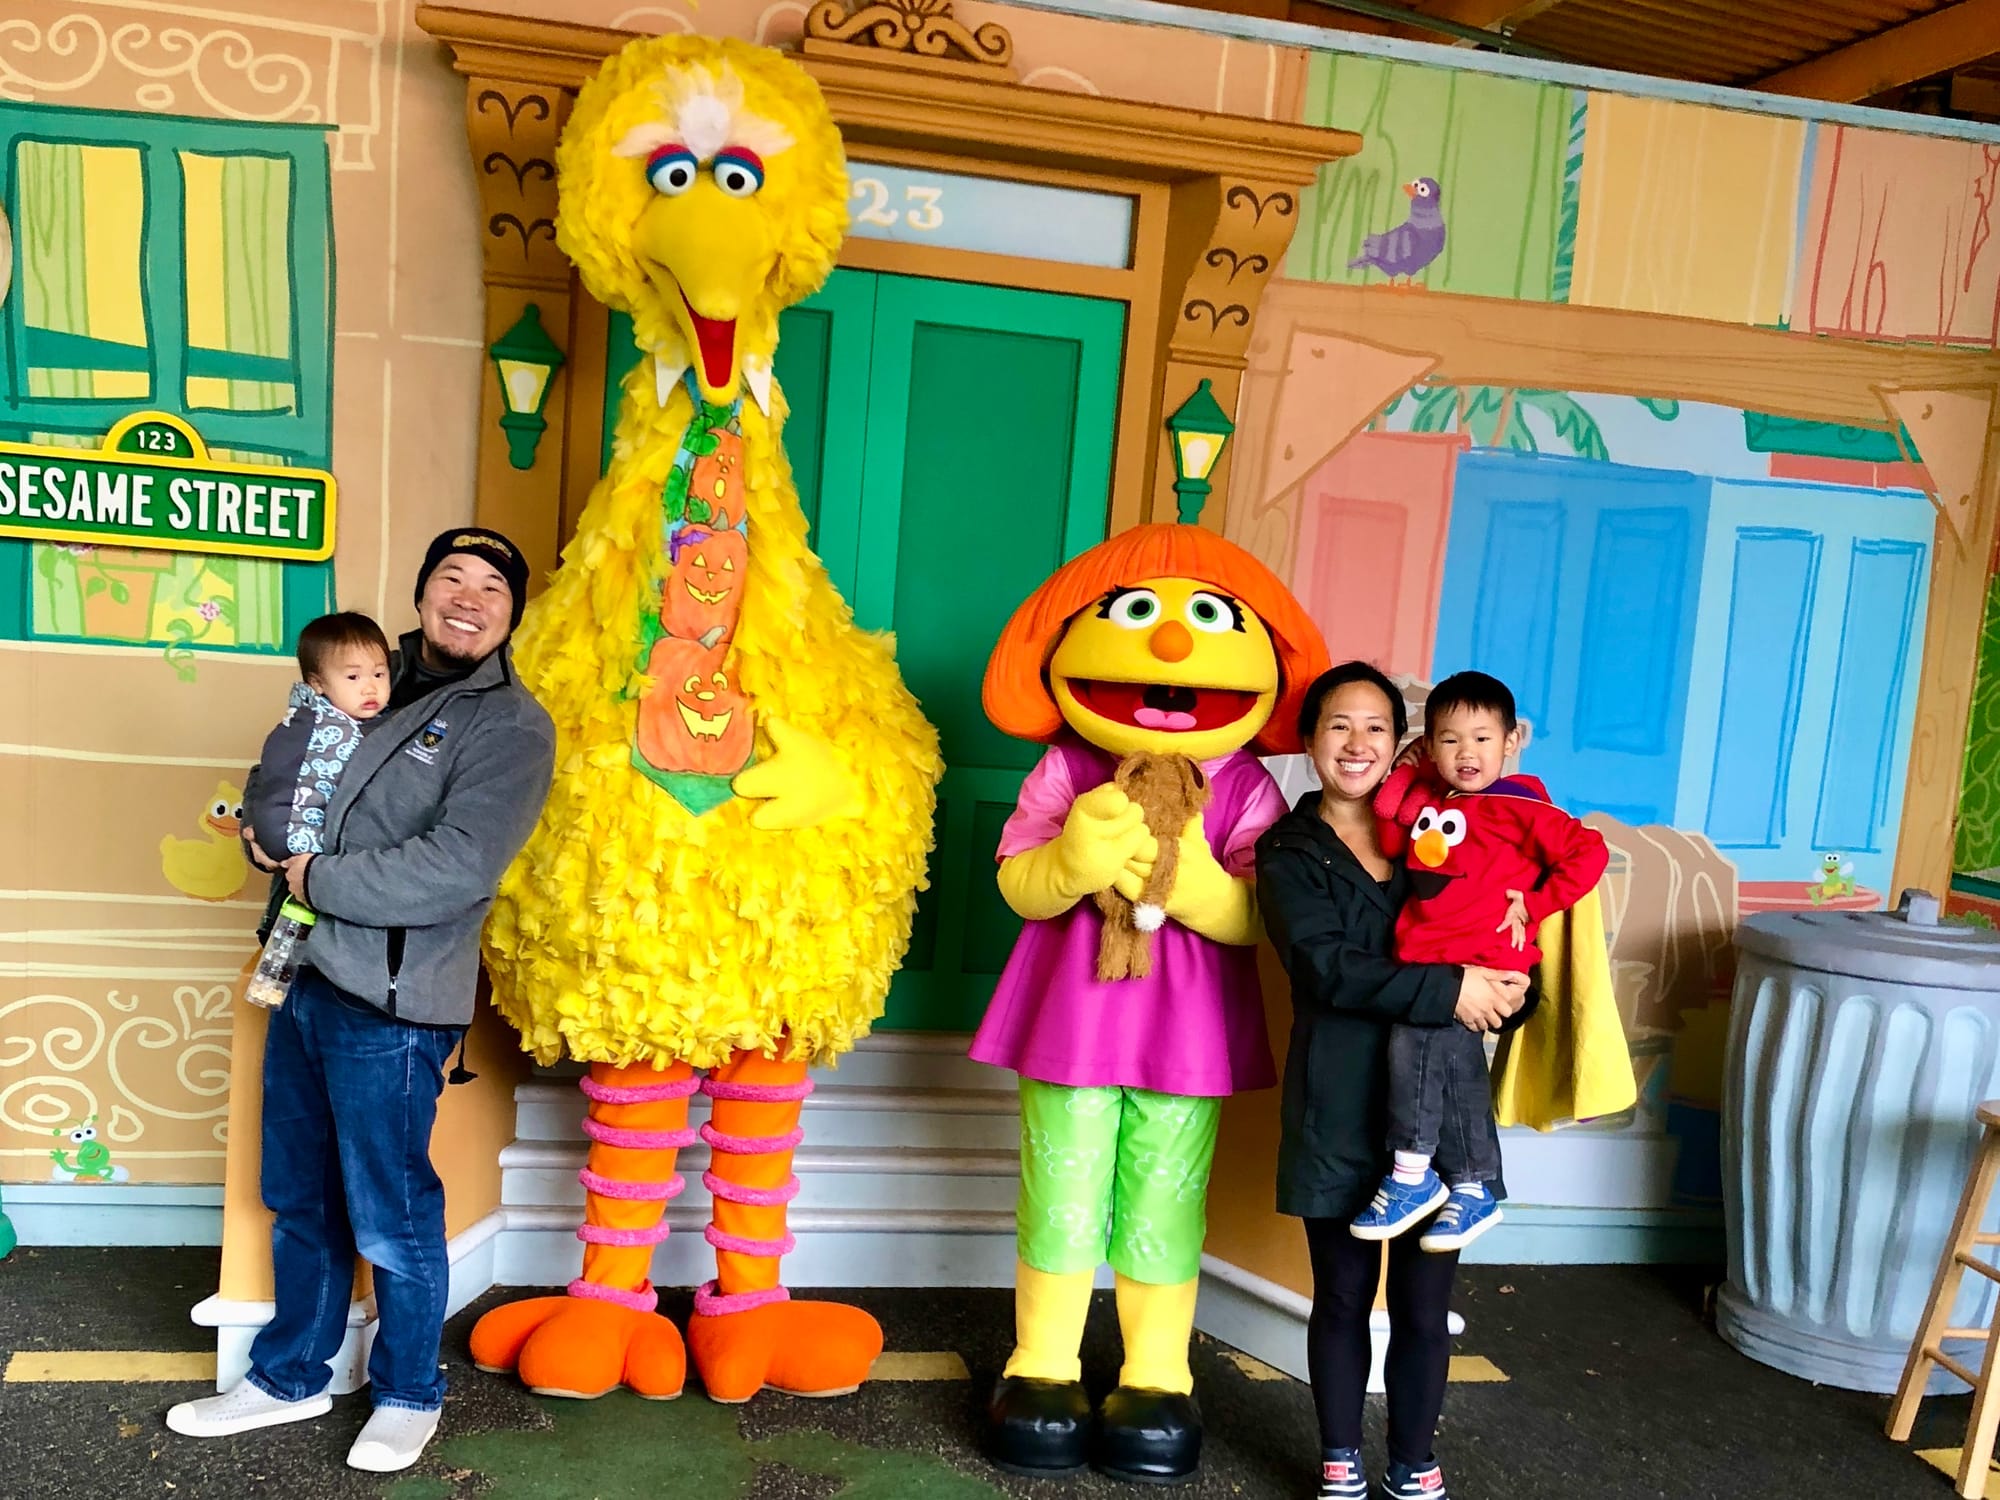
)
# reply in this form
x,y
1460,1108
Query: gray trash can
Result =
x,y
1860,1044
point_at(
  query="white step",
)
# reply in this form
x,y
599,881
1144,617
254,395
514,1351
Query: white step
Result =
x,y
888,1059
543,1174
835,1248
837,1114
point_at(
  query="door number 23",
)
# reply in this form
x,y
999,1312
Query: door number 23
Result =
x,y
925,212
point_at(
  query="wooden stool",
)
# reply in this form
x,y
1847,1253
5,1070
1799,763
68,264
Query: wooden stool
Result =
x,y
1928,1348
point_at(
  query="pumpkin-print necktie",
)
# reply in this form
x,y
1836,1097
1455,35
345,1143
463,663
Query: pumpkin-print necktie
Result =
x,y
694,731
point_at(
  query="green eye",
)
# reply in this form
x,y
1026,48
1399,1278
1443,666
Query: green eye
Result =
x,y
1210,612
1134,610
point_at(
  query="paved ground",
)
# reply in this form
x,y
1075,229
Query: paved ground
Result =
x,y
1616,1389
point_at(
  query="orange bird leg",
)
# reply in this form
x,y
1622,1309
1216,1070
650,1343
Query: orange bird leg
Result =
x,y
605,1331
746,1332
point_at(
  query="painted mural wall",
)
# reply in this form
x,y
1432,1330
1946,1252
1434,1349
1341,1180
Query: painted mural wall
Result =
x,y
258,217
1712,616
261,219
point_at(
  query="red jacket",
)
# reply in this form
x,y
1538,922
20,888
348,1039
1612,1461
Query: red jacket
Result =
x,y
1465,851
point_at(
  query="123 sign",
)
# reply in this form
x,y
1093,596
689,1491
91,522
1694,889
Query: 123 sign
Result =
x,y
153,485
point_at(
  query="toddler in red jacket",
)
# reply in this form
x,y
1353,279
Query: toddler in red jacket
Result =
x,y
1489,856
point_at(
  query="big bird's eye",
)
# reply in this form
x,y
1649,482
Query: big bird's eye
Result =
x,y
671,170
1211,612
1135,609
219,808
738,171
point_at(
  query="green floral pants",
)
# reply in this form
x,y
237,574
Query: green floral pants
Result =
x,y
1115,1170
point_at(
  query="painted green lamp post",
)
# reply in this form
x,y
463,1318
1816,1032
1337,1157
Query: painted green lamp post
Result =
x,y
7,1237
1200,428
527,359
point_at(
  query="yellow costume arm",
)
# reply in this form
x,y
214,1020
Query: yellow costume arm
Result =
x,y
1103,831
802,782
1209,900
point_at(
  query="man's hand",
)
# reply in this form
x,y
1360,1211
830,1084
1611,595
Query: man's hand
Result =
x,y
1487,997
295,874
1516,922
258,857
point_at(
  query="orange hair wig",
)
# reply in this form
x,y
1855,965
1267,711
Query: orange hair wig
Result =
x,y
1016,692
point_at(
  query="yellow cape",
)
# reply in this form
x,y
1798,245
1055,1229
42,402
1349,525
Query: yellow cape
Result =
x,y
1570,1061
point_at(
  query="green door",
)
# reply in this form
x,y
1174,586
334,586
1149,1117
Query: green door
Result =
x,y
952,445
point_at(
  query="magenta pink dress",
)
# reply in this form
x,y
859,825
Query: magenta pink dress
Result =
x,y
1195,1025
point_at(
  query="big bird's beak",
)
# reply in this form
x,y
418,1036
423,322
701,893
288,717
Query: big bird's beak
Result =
x,y
709,255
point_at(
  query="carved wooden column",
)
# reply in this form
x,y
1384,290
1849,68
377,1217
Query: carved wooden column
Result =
x,y
513,127
1227,237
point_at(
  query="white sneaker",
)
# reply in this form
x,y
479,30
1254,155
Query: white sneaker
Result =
x,y
243,1409
393,1439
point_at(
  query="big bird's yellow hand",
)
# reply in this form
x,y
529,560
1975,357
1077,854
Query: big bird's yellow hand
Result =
x,y
1209,900
1104,832
803,783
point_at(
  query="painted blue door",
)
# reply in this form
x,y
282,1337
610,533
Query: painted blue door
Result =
x,y
1574,582
1807,647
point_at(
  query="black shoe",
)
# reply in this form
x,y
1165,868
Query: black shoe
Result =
x,y
1151,1437
1038,1427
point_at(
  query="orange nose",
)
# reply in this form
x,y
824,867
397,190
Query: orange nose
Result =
x,y
1430,849
1171,642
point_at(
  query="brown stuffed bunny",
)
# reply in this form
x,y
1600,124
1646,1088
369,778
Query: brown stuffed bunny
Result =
x,y
1171,790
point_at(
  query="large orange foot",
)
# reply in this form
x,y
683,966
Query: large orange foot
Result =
x,y
582,1347
800,1348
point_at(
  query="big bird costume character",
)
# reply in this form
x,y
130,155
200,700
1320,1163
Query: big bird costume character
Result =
x,y
1164,642
722,881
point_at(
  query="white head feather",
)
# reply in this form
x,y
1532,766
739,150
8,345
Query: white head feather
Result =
x,y
703,112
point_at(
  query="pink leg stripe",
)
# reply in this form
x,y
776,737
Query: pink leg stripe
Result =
x,y
756,1093
600,1234
750,1145
643,1300
708,1304
741,1246
640,1140
736,1192
605,1093
612,1187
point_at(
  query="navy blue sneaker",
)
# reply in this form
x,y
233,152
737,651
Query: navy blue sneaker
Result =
x,y
1341,1476
1398,1206
1406,1483
1470,1211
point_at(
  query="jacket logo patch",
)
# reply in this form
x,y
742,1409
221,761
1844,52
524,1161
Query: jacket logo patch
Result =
x,y
425,746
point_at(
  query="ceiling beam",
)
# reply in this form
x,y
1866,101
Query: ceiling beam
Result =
x,y
1487,15
1935,43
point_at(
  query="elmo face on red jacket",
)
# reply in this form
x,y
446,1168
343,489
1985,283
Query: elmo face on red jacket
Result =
x,y
1466,850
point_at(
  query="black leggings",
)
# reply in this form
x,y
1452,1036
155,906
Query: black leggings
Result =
x,y
1345,1272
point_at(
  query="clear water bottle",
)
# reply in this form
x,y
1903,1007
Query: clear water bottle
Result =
x,y
280,960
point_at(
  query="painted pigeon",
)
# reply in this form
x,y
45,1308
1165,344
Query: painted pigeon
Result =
x,y
1412,244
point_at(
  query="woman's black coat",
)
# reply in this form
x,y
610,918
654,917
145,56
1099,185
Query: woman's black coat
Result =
x,y
1334,928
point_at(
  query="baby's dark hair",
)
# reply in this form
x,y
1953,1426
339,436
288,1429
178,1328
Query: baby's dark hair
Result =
x,y
1338,677
1474,690
331,633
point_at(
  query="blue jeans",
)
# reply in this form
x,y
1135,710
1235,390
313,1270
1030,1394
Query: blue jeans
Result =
x,y
350,1095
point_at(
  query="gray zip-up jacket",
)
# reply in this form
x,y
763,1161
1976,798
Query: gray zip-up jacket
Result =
x,y
435,804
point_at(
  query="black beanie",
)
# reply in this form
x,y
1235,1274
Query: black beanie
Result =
x,y
488,546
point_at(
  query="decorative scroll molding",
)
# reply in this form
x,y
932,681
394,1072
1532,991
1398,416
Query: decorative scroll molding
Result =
x,y
513,129
906,32
262,68
1247,240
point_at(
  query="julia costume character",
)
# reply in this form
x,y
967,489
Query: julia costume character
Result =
x,y
1162,646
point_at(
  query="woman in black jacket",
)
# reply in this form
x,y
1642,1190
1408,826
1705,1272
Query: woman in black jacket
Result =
x,y
1329,899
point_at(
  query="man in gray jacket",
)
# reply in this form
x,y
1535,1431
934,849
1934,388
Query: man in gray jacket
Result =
x,y
433,807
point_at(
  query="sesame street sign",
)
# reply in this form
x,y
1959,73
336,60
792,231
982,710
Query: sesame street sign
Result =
x,y
153,485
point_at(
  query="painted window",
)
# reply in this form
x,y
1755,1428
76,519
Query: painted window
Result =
x,y
180,266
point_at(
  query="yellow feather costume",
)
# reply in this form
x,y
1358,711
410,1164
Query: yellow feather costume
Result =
x,y
631,929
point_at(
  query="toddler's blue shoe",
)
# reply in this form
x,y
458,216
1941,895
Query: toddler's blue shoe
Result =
x,y
1406,1483
1470,1211
1398,1206
1341,1476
